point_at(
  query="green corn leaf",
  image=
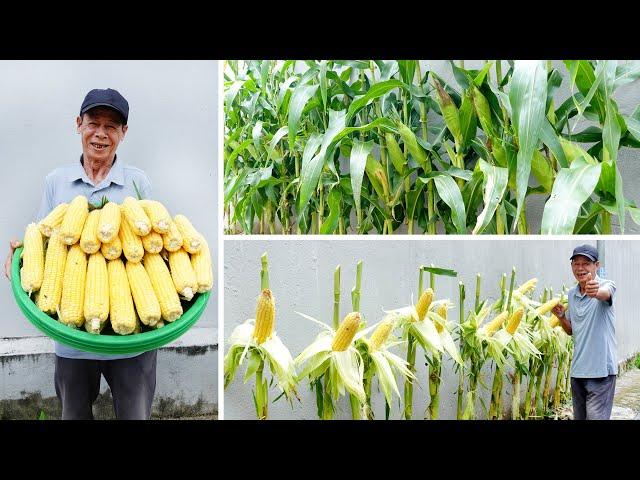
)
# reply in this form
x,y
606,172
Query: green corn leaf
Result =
x,y
282,131
633,126
450,194
284,89
299,99
407,69
626,73
482,74
447,272
416,151
331,222
256,133
611,131
376,90
495,184
550,139
322,73
413,197
357,163
311,168
468,121
635,214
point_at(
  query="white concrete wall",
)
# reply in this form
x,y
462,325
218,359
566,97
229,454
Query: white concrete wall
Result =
x,y
301,275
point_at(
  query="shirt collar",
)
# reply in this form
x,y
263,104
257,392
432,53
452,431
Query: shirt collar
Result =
x,y
115,175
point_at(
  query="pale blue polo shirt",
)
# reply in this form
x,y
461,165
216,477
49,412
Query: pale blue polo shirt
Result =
x,y
65,183
594,333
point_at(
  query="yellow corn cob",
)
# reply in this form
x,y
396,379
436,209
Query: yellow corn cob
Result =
x,y
184,278
147,304
122,315
152,243
109,222
172,239
89,239
96,294
442,311
53,220
73,221
514,320
554,321
382,332
423,303
54,263
136,217
163,287
191,239
346,331
160,324
265,317
72,301
201,263
113,249
158,214
548,306
495,324
32,271
527,286
131,243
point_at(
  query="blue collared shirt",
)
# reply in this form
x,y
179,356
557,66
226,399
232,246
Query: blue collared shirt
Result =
x,y
65,183
594,333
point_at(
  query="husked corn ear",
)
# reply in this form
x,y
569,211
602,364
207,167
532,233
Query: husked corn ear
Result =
x,y
184,278
265,317
152,243
547,306
514,320
109,222
442,311
54,263
73,221
494,325
163,287
96,294
131,243
73,288
158,325
32,270
191,239
201,263
382,332
147,304
346,331
113,249
554,321
423,303
135,215
172,239
122,314
53,220
158,214
528,286
89,239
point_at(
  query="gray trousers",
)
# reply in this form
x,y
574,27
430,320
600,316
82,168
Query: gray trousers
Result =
x,y
593,397
132,382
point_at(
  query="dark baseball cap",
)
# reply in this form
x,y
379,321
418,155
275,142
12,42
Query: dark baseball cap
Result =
x,y
106,98
588,251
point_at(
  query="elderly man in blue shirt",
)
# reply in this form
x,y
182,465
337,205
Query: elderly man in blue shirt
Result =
x,y
102,125
590,319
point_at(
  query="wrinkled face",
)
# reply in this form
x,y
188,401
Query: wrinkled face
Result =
x,y
102,131
581,266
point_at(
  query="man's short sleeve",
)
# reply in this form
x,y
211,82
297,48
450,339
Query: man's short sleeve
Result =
x,y
612,289
46,203
145,188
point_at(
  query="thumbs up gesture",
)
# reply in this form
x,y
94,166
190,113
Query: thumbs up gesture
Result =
x,y
592,286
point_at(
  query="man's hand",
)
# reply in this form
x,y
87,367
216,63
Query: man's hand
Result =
x,y
13,244
558,310
591,287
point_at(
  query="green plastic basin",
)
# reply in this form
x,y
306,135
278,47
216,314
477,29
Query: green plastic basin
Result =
x,y
105,344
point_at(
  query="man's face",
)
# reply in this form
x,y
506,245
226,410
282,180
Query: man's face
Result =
x,y
582,265
102,131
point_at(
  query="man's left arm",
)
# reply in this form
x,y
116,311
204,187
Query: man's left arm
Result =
x,y
606,291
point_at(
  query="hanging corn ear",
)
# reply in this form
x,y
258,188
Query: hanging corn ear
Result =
x,y
122,314
163,287
514,320
346,332
201,263
54,263
89,239
73,221
53,220
32,270
184,278
191,239
158,214
528,286
96,297
109,222
494,325
73,288
113,249
135,215
424,303
265,317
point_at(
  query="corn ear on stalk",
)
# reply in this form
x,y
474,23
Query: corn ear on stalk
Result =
x,y
145,300
265,317
163,287
172,239
152,243
514,320
54,263
32,270
184,278
74,219
191,239
201,263
122,314
547,306
73,288
424,303
528,286
158,214
135,216
96,295
382,332
109,222
53,220
442,311
113,249
346,331
89,239
131,243
554,321
494,325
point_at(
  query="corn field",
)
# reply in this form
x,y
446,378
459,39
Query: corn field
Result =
x,y
337,147
515,336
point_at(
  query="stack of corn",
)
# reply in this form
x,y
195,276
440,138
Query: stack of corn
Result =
x,y
117,265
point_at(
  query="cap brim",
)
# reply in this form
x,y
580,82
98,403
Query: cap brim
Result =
x,y
94,105
590,257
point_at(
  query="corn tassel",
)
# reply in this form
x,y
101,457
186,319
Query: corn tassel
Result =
x,y
72,301
346,331
53,220
109,222
32,270
265,317
96,296
74,218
